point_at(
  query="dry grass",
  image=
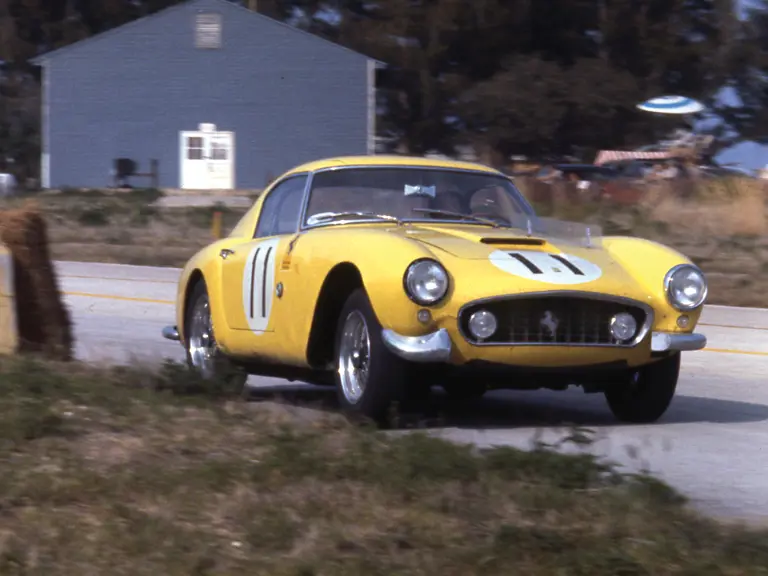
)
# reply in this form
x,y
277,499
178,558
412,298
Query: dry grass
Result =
x,y
119,472
123,227
721,224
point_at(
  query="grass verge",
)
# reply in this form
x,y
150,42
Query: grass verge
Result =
x,y
126,472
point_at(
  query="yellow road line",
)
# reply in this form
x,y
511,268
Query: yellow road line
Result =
x,y
123,298
119,279
745,352
732,326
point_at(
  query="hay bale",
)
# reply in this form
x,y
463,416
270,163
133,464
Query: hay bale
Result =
x,y
44,324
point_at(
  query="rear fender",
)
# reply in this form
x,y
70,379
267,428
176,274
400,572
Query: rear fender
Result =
x,y
204,266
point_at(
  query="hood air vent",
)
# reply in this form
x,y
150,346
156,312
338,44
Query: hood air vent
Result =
x,y
514,241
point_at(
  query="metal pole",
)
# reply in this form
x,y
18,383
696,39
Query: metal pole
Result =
x,y
216,225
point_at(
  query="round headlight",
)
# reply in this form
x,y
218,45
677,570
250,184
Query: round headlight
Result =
x,y
686,287
426,282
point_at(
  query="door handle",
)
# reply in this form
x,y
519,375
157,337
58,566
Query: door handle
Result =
x,y
224,252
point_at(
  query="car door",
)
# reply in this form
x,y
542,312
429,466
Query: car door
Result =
x,y
251,271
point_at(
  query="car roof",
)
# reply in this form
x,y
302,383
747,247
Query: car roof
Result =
x,y
390,160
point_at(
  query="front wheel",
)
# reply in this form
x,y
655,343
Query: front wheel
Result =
x,y
203,354
370,380
647,394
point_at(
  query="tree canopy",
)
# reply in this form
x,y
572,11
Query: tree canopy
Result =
x,y
543,77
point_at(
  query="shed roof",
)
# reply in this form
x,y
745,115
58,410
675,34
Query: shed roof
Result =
x,y
42,59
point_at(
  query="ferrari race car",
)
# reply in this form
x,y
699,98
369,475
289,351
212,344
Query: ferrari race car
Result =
x,y
386,275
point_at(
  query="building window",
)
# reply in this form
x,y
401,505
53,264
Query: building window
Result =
x,y
208,30
194,148
219,150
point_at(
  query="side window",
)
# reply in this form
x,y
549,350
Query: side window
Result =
x,y
281,208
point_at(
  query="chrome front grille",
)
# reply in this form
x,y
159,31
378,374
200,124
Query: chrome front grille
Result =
x,y
556,320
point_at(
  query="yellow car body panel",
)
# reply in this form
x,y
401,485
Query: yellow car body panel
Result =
x,y
264,294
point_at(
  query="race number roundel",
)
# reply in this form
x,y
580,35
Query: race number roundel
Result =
x,y
259,283
559,268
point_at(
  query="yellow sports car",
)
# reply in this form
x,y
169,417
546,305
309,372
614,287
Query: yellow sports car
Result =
x,y
384,275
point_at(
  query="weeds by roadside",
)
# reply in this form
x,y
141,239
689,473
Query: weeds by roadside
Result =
x,y
124,227
126,471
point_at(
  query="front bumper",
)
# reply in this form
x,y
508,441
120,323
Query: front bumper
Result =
x,y
676,342
434,347
437,346
171,333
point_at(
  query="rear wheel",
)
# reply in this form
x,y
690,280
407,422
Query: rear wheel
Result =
x,y
370,380
648,394
203,354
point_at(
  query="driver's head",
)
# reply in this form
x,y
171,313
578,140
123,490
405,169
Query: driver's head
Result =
x,y
448,198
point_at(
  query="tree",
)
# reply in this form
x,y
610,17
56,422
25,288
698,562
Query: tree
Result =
x,y
543,77
534,77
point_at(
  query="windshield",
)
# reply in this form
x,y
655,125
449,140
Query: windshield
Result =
x,y
415,194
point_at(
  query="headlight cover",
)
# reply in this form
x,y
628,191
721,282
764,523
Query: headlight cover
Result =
x,y
686,287
426,282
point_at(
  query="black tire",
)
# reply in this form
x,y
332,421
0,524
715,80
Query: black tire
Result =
x,y
648,394
222,371
387,389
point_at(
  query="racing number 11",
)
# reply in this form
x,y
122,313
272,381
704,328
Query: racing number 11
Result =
x,y
259,276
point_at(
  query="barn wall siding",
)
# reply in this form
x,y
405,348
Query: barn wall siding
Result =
x,y
289,97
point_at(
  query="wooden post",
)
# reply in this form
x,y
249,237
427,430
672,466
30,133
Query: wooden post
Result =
x,y
9,332
216,225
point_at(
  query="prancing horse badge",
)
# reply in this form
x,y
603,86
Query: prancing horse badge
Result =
x,y
549,322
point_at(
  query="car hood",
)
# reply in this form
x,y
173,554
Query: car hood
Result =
x,y
530,257
478,242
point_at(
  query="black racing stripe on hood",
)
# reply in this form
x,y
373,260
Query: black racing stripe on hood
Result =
x,y
525,262
567,264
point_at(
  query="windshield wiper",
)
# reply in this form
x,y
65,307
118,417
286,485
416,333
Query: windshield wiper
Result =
x,y
328,216
457,215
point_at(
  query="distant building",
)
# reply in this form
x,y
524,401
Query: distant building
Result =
x,y
221,96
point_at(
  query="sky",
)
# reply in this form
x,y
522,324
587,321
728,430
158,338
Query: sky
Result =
x,y
748,155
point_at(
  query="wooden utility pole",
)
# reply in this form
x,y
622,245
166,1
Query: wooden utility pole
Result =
x,y
253,5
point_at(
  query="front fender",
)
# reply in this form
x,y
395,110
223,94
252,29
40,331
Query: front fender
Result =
x,y
648,262
381,258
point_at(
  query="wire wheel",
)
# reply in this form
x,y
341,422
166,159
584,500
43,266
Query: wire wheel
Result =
x,y
354,357
202,343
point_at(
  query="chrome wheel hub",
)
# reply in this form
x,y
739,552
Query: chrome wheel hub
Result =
x,y
354,357
202,343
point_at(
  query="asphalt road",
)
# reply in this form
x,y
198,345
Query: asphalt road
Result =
x,y
710,444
